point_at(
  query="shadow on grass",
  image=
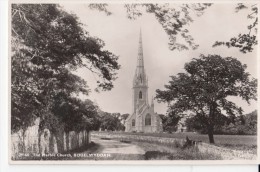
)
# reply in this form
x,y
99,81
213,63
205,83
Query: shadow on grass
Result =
x,y
125,141
91,147
149,155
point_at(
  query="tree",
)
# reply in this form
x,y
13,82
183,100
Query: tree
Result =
x,y
124,116
205,88
173,17
251,122
111,122
193,123
245,42
242,125
47,44
239,125
170,122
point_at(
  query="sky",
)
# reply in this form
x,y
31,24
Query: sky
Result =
x,y
121,35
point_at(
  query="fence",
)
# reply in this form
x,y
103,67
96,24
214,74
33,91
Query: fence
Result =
x,y
46,143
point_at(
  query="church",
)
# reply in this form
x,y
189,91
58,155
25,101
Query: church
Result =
x,y
143,117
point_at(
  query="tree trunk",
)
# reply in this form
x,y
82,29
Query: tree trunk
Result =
x,y
78,142
83,138
68,140
211,134
51,143
211,123
59,141
64,141
55,144
23,141
39,140
88,137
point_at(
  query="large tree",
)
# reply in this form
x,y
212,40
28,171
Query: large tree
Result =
x,y
48,44
205,88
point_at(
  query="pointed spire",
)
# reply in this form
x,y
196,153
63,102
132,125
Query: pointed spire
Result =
x,y
140,36
140,60
140,76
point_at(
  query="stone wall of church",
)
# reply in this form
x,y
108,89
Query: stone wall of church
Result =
x,y
129,127
156,124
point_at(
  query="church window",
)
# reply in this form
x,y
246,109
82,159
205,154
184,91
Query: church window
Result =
x,y
140,95
133,122
148,119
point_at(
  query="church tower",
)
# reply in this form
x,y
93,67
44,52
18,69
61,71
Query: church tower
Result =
x,y
140,81
143,117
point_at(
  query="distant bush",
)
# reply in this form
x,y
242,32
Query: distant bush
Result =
x,y
240,125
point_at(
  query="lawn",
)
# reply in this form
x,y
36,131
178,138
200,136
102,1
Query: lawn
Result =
x,y
219,139
161,152
237,142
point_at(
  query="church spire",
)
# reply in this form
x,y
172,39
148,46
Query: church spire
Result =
x,y
140,78
140,58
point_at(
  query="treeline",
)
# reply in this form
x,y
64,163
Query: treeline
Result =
x,y
240,125
112,121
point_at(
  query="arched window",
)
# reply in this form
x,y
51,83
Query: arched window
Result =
x,y
133,122
140,95
148,119
141,79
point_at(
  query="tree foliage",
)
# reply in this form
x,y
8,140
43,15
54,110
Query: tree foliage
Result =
x,y
205,89
195,124
170,122
82,114
173,18
240,125
124,116
48,44
245,42
111,122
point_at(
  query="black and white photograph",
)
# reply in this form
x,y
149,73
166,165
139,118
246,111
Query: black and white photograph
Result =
x,y
133,82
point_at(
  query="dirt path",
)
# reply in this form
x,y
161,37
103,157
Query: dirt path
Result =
x,y
116,147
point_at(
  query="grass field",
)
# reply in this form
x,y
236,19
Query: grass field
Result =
x,y
161,152
236,142
219,139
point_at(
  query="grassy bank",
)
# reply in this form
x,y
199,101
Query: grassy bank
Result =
x,y
159,152
235,142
